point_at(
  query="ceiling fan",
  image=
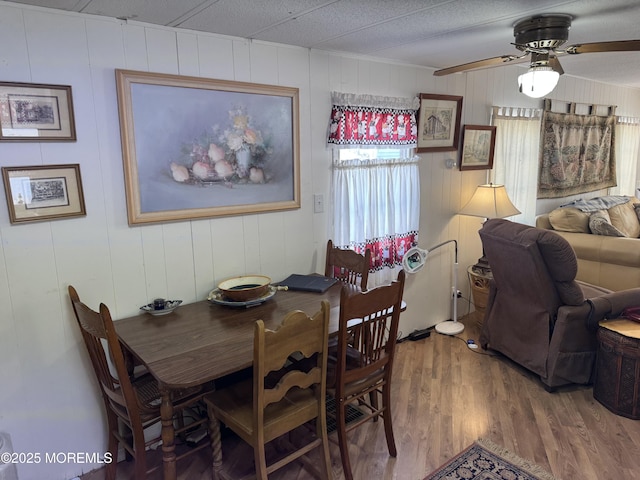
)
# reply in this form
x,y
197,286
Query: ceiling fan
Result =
x,y
541,37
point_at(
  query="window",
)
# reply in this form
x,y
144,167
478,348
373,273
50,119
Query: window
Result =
x,y
373,153
376,185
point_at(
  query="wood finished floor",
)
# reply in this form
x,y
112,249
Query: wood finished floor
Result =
x,y
447,396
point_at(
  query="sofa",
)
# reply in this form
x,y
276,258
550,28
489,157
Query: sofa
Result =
x,y
606,240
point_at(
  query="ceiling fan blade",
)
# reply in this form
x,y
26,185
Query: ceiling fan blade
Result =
x,y
616,46
554,63
487,62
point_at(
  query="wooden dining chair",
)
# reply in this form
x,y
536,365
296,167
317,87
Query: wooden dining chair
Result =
x,y
260,410
361,370
348,266
132,403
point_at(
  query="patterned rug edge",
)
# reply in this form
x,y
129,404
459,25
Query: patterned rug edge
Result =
x,y
526,466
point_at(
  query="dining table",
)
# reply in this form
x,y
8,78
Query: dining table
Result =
x,y
201,342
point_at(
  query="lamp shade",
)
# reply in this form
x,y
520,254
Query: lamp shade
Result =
x,y
490,201
538,81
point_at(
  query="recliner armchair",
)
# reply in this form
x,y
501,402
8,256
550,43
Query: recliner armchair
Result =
x,y
537,314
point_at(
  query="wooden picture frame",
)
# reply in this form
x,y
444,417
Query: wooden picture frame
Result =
x,y
32,112
439,122
43,192
478,147
200,148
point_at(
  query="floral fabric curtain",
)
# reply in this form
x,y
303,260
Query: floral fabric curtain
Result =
x,y
376,201
365,120
577,154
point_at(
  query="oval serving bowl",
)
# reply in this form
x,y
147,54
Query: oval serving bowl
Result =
x,y
245,287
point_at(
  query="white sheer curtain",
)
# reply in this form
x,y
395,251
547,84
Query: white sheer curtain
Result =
x,y
377,206
515,163
376,184
627,155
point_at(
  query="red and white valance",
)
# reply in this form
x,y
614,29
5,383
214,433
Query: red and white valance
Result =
x,y
370,121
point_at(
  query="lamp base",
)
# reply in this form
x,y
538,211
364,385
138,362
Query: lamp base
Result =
x,y
482,266
450,327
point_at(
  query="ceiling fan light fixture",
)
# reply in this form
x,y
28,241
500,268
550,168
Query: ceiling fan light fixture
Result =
x,y
538,81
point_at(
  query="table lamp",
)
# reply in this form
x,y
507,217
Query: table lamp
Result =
x,y
488,201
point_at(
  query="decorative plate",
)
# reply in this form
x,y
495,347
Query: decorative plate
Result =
x,y
217,297
169,306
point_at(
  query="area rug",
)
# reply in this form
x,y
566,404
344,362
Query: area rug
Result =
x,y
484,460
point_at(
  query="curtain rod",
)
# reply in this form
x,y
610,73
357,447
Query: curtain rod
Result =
x,y
570,107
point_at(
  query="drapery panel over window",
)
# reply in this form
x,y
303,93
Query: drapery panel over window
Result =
x,y
627,155
367,120
516,156
577,153
376,196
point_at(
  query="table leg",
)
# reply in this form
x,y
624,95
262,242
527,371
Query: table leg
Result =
x,y
216,445
168,435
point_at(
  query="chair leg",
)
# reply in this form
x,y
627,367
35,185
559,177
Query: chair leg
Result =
x,y
260,461
321,432
342,439
140,467
127,434
388,428
110,470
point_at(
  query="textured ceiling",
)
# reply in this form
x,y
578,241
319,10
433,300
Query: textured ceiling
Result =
x,y
432,33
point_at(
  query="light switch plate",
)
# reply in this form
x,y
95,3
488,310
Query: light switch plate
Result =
x,y
318,203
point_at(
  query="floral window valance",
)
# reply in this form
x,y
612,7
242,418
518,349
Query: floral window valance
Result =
x,y
577,154
370,121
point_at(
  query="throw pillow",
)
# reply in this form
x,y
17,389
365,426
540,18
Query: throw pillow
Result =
x,y
569,219
600,224
624,218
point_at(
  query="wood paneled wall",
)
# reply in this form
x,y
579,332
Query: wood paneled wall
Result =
x,y
47,388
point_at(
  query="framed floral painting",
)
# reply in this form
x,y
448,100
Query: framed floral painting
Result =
x,y
198,148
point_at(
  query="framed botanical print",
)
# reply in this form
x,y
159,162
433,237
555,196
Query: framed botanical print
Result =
x,y
478,146
43,192
439,122
31,112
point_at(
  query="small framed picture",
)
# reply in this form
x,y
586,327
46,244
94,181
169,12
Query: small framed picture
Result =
x,y
478,146
31,112
439,122
43,192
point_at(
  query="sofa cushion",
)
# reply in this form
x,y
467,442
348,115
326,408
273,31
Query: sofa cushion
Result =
x,y
624,218
569,219
600,224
